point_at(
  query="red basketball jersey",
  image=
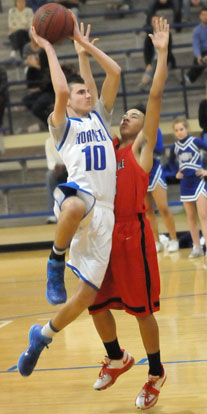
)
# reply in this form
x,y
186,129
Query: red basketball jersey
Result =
x,y
132,183
132,279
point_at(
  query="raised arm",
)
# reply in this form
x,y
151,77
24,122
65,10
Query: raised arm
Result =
x,y
111,68
149,132
59,81
84,65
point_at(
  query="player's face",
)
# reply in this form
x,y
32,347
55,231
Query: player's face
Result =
x,y
80,99
131,123
180,130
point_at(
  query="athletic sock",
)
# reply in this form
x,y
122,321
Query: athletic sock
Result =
x,y
49,330
113,349
155,367
57,254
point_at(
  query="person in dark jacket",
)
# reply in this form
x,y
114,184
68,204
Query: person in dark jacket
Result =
x,y
150,56
39,101
175,5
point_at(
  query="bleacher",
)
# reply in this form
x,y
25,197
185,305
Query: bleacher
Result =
x,y
23,165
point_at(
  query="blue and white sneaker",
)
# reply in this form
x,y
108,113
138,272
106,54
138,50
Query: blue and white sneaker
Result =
x,y
29,358
56,292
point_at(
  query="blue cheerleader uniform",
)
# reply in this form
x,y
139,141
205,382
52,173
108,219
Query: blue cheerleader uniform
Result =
x,y
157,175
188,153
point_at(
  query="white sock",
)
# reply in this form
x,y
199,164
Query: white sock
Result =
x,y
48,331
57,251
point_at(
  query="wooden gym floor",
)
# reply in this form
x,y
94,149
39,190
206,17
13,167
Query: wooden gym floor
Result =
x,y
63,379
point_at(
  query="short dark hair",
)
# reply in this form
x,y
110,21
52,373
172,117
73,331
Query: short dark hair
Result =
x,y
68,70
75,78
140,107
203,9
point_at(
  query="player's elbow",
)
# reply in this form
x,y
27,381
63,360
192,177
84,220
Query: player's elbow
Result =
x,y
156,93
64,93
118,71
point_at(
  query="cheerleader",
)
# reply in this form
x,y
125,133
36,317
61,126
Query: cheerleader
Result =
x,y
193,187
157,191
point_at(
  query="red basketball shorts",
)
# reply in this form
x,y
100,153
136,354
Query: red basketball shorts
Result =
x,y
132,279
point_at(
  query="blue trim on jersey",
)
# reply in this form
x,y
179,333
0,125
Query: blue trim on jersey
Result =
x,y
72,185
65,135
98,116
76,119
79,120
59,204
79,275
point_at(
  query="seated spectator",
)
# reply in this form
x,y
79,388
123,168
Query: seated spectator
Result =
x,y
3,101
150,55
187,5
70,4
19,22
32,64
175,5
39,102
199,49
56,174
40,96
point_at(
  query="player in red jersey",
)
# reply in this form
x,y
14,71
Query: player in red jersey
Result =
x,y
132,281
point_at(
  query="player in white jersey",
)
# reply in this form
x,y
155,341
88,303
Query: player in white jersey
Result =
x,y
85,203
85,146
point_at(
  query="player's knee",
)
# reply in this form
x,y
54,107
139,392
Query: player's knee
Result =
x,y
74,207
86,296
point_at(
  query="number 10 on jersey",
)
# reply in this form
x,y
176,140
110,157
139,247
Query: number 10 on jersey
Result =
x,y
95,157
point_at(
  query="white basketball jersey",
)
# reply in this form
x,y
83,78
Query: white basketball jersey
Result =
x,y
86,149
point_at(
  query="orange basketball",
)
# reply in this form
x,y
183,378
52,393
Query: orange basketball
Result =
x,y
53,22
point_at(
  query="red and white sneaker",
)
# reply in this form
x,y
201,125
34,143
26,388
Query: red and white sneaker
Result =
x,y
111,370
149,394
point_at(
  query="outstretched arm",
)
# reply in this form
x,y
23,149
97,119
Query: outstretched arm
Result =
x,y
84,65
149,132
110,67
58,79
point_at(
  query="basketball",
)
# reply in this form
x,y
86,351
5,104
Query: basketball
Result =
x,y
53,22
